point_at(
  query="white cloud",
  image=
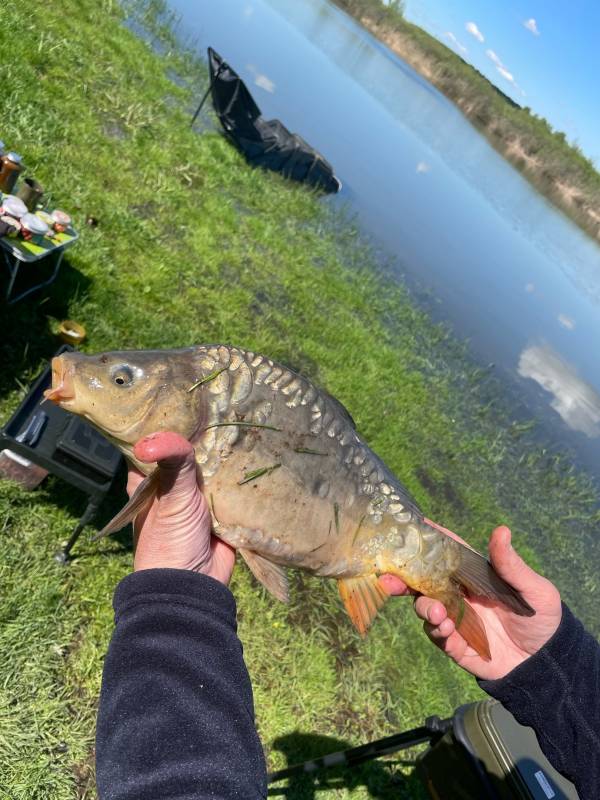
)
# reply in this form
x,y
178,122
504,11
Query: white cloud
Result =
x,y
531,25
502,69
455,42
530,287
494,57
474,31
566,322
506,74
576,401
423,166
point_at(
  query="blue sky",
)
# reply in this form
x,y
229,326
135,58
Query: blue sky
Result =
x,y
543,53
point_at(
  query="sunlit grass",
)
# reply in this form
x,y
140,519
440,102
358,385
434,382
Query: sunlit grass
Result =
x,y
193,246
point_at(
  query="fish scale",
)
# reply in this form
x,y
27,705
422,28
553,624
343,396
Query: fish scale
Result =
x,y
290,481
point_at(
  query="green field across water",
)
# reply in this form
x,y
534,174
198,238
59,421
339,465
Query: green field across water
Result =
x,y
191,246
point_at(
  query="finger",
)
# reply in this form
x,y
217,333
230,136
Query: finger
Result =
x,y
454,646
176,461
394,586
448,532
431,611
438,632
166,447
509,564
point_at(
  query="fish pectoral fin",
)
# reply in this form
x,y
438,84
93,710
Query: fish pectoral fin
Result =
x,y
478,576
363,597
271,575
143,496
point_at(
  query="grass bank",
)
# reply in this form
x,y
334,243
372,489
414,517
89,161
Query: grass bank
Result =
x,y
191,246
557,168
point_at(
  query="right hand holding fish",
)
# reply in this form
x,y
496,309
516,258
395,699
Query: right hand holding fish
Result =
x,y
175,530
512,638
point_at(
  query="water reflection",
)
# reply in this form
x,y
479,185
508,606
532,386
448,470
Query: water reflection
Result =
x,y
500,264
260,79
574,399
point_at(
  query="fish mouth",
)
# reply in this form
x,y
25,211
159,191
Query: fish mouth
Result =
x,y
62,389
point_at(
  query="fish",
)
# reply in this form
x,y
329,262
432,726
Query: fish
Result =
x,y
288,479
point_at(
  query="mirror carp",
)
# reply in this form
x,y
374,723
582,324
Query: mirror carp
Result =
x,y
289,481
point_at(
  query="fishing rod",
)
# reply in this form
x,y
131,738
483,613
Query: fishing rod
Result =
x,y
433,728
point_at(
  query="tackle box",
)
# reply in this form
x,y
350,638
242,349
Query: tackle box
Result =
x,y
486,755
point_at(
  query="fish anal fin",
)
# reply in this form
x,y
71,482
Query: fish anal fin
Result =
x,y
363,597
478,576
142,497
271,575
471,628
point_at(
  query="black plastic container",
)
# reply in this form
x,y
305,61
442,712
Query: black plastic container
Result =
x,y
64,445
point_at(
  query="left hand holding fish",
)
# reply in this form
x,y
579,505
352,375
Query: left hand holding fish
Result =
x,y
175,531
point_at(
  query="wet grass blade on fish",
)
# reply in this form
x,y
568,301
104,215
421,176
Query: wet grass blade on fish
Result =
x,y
309,452
258,473
242,425
207,378
358,527
336,516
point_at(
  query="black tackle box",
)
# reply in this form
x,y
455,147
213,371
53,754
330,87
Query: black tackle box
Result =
x,y
486,755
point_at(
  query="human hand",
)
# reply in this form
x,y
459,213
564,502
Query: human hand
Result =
x,y
175,531
512,638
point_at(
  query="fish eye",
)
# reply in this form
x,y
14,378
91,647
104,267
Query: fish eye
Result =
x,y
123,376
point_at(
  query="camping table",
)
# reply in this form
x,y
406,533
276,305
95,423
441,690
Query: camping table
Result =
x,y
18,252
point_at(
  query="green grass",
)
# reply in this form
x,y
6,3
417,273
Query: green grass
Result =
x,y
193,246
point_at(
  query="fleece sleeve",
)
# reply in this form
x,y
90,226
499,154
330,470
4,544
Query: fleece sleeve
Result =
x,y
176,715
557,693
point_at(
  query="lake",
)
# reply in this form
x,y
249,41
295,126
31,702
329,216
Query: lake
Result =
x,y
475,242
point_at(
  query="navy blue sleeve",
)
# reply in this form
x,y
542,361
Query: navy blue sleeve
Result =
x,y
557,693
176,715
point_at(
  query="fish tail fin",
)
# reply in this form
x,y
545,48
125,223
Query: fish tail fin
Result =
x,y
478,577
143,496
363,597
471,628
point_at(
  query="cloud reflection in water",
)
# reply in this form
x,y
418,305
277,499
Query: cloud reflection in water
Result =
x,y
576,401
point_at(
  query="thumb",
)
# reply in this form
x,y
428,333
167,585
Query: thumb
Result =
x,y
175,458
508,563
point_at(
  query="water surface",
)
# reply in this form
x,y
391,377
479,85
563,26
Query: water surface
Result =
x,y
501,265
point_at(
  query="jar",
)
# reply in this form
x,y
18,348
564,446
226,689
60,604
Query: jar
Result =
x,y
11,166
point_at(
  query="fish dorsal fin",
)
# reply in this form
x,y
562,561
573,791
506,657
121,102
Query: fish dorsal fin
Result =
x,y
271,575
363,597
143,496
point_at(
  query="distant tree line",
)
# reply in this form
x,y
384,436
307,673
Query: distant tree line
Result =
x,y
556,167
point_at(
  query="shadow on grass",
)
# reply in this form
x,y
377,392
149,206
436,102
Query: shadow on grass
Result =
x,y
26,335
380,778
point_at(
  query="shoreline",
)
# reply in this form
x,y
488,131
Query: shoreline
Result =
x,y
568,197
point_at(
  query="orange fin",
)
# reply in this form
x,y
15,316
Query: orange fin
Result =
x,y
471,628
478,576
143,496
271,575
363,597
